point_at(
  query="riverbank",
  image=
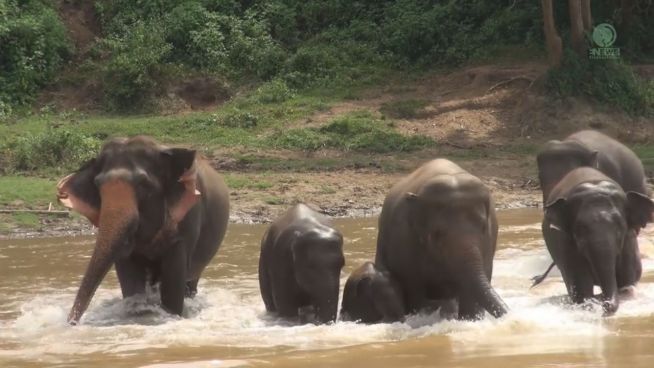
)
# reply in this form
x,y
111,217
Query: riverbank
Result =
x,y
261,197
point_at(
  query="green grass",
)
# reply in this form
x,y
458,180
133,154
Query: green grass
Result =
x,y
237,181
26,220
27,192
357,131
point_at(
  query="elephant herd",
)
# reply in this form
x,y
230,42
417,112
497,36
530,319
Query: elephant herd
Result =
x,y
162,214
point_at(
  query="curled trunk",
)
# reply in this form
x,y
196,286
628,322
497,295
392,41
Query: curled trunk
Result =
x,y
118,218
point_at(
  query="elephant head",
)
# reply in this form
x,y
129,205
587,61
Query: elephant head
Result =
x,y
132,191
318,260
557,158
454,221
592,220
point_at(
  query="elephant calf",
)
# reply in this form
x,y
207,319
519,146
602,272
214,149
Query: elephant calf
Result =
x,y
437,237
589,231
372,296
300,264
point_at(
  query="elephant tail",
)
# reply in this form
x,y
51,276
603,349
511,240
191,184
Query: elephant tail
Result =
x,y
540,278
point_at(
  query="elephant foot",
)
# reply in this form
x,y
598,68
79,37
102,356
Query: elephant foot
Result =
x,y
191,289
627,292
306,314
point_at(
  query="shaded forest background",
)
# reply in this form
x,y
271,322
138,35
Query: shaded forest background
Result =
x,y
126,55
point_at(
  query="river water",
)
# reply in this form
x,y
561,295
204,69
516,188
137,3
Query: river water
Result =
x,y
226,324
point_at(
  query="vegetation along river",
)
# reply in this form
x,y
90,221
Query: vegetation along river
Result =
x,y
226,325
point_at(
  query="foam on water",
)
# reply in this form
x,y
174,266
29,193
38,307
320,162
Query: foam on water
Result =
x,y
231,313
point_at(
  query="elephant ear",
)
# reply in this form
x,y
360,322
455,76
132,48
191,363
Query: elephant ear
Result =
x,y
639,210
78,192
182,192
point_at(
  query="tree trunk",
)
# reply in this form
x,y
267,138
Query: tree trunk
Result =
x,y
576,27
552,38
586,15
627,12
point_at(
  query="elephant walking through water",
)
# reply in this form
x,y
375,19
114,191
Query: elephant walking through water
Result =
x,y
587,228
300,265
161,213
437,237
589,148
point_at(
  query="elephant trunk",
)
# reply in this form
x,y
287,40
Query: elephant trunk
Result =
x,y
468,263
327,304
603,266
118,220
486,296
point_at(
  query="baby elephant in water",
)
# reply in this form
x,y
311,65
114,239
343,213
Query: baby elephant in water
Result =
x,y
588,218
300,265
372,295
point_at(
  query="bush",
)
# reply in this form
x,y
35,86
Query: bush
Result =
x,y
275,91
60,149
240,119
608,81
357,132
133,72
33,45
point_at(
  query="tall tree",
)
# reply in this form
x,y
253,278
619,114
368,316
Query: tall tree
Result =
x,y
552,38
576,26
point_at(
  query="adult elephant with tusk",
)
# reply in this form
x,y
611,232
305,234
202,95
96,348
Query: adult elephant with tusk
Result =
x,y
437,237
161,214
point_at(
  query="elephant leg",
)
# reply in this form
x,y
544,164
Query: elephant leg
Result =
x,y
191,288
132,276
266,287
173,279
629,267
287,296
578,277
469,309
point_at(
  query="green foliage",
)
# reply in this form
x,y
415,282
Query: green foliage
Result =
x,y
59,149
33,44
357,132
275,91
132,73
237,118
404,109
608,81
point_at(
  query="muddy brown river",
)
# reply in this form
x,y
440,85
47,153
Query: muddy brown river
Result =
x,y
226,324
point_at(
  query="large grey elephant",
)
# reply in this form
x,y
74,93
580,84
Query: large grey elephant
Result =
x,y
161,215
437,237
372,295
587,225
589,148
300,265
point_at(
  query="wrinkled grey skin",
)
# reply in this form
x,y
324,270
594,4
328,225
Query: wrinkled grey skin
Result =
x,y
437,237
588,231
589,148
161,215
300,265
372,296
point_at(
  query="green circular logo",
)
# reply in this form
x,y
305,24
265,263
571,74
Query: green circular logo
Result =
x,y
604,35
